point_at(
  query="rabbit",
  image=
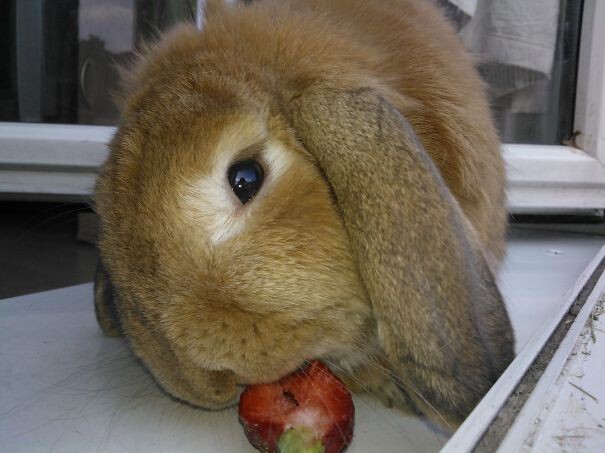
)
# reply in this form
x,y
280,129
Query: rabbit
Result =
x,y
308,179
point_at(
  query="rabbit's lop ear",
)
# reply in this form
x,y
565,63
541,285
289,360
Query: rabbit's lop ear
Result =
x,y
441,322
105,308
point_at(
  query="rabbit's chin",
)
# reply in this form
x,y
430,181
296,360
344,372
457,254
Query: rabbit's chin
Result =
x,y
346,360
339,359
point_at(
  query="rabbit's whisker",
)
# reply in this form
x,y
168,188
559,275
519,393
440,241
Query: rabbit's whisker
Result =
x,y
373,361
368,390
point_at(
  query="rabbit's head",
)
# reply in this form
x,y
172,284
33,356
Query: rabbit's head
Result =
x,y
256,216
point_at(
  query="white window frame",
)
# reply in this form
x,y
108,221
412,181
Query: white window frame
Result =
x,y
42,160
553,179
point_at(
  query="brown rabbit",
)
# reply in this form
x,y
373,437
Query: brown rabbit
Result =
x,y
308,179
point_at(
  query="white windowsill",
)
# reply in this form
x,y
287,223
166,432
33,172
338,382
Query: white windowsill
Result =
x,y
45,160
42,160
70,387
537,289
553,179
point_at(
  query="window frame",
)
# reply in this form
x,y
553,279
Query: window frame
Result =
x,y
53,160
472,430
546,179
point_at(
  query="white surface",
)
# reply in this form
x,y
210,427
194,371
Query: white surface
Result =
x,y
54,144
564,411
67,388
547,179
576,421
539,282
58,159
540,273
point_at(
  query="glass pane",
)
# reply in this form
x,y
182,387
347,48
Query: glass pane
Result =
x,y
61,56
527,53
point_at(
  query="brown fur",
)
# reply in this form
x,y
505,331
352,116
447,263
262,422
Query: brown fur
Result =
x,y
441,322
345,269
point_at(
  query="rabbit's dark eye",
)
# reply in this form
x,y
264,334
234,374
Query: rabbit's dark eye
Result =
x,y
245,178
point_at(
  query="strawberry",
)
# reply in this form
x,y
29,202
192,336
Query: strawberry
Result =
x,y
308,411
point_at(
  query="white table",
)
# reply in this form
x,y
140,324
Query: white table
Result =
x,y
64,387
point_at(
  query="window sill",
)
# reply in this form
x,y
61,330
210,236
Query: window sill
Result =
x,y
535,284
546,179
54,348
43,160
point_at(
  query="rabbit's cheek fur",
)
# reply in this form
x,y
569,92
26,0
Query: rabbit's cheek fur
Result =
x,y
286,288
249,290
213,293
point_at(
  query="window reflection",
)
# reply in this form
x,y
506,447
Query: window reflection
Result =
x,y
527,52
106,38
60,55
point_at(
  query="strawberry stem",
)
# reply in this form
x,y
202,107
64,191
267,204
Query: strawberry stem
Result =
x,y
299,440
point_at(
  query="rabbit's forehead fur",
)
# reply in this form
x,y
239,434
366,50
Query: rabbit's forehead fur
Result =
x,y
230,286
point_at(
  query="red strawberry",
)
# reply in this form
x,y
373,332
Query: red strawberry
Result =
x,y
311,407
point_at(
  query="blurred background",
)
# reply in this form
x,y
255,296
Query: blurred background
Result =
x,y
59,61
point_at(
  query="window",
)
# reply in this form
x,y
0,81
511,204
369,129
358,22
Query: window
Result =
x,y
63,55
542,61
528,54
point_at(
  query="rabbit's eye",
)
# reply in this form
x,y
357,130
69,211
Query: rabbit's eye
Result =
x,y
245,178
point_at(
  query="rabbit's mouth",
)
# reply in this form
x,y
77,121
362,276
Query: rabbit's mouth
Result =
x,y
348,363
265,372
